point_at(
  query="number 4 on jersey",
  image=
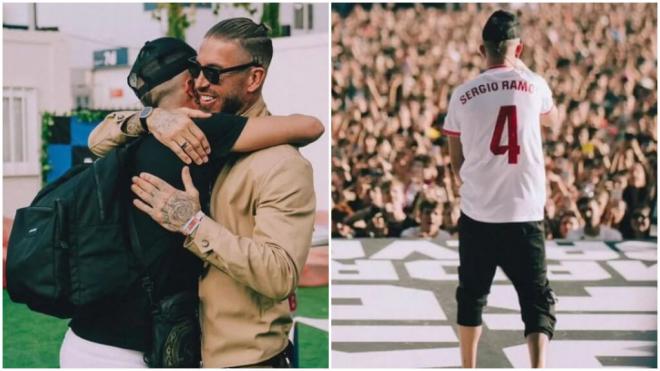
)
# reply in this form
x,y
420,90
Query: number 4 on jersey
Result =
x,y
506,114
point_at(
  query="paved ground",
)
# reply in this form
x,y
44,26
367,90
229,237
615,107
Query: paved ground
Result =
x,y
393,306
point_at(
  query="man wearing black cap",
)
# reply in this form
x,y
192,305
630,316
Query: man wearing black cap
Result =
x,y
115,331
493,124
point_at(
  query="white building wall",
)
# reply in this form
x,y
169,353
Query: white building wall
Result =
x,y
298,81
37,60
106,80
94,26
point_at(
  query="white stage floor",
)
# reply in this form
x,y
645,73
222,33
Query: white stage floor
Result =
x,y
393,306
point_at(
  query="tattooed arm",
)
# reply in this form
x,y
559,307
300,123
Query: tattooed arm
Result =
x,y
170,127
174,127
114,130
177,131
132,126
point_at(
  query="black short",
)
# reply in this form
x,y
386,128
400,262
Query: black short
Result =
x,y
519,249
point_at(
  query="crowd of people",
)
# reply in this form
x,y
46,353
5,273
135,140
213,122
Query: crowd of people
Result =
x,y
395,67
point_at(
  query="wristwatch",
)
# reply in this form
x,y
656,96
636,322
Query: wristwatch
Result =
x,y
146,112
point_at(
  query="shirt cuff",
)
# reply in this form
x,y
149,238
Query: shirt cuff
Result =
x,y
548,111
200,241
451,133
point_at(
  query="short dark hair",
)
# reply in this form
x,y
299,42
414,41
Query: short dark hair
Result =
x,y
584,201
428,205
424,159
501,26
251,36
567,214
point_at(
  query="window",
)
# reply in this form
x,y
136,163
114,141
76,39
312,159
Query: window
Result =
x,y
303,16
298,16
20,124
82,101
310,16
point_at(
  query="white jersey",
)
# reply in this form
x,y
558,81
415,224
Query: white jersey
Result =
x,y
497,116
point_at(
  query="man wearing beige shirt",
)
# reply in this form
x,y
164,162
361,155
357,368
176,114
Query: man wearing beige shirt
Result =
x,y
256,240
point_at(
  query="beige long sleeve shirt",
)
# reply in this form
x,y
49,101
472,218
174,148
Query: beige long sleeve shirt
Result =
x,y
254,248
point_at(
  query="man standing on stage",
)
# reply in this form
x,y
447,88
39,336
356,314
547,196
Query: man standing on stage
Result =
x,y
494,129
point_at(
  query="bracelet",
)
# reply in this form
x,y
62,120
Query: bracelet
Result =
x,y
193,223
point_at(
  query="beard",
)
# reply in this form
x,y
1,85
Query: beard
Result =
x,y
231,105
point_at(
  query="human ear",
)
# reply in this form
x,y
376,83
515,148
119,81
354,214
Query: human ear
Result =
x,y
256,79
189,87
519,50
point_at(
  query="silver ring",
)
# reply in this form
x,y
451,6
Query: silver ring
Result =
x,y
183,145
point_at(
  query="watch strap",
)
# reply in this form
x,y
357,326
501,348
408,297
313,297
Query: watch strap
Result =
x,y
144,114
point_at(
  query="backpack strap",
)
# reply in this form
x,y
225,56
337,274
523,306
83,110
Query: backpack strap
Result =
x,y
126,154
135,249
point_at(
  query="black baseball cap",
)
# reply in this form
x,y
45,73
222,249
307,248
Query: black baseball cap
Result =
x,y
159,60
501,26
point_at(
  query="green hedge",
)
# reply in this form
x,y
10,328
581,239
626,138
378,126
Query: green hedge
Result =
x,y
32,340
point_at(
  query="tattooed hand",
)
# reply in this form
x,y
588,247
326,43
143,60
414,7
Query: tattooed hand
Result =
x,y
168,206
176,130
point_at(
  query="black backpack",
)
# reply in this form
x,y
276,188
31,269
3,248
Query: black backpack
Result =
x,y
71,246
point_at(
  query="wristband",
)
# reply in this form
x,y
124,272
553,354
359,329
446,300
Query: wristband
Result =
x,y
193,223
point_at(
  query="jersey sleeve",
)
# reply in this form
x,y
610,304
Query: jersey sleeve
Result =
x,y
546,97
222,131
451,125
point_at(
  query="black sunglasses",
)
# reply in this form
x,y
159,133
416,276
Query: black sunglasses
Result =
x,y
212,74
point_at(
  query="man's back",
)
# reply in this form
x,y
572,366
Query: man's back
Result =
x,y
497,116
266,200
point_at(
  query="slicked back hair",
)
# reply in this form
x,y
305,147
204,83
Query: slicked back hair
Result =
x,y
251,36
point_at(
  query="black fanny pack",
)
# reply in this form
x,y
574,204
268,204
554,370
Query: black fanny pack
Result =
x,y
175,332
175,338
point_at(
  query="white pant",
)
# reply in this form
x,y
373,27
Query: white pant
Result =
x,y
77,352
